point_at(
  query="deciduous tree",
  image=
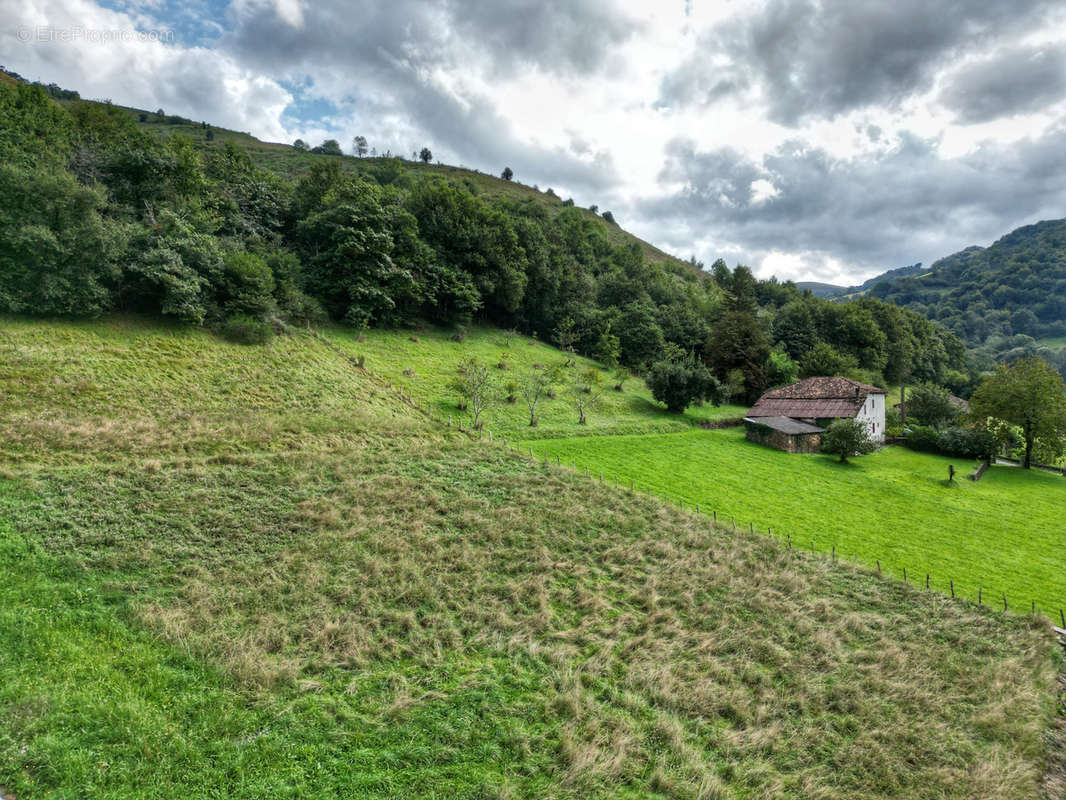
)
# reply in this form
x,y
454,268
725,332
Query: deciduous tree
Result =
x,y
1030,394
847,437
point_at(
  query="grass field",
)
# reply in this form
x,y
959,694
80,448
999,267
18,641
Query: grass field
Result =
x,y
433,360
1003,534
1056,343
247,572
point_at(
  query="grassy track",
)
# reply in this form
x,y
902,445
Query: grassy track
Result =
x,y
1005,533
248,572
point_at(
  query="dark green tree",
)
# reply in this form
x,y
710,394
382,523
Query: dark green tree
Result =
x,y
929,404
680,383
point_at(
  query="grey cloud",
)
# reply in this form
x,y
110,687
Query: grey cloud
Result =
x,y
822,58
872,212
386,58
1014,81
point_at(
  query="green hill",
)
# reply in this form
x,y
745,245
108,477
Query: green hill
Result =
x,y
253,571
1015,287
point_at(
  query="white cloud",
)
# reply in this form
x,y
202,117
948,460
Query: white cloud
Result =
x,y
592,98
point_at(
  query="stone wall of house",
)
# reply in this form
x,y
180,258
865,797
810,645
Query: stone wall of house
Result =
x,y
790,443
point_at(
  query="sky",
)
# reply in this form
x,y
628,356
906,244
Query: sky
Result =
x,y
823,140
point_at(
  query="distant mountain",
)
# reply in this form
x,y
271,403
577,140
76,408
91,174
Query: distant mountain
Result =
x,y
900,272
1016,287
822,289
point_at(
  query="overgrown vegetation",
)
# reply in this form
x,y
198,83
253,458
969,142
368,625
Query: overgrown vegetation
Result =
x,y
251,571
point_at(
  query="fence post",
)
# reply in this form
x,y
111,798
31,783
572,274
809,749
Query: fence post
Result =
x,y
1063,618
833,553
751,528
789,541
812,547
952,582
531,451
904,574
978,595
927,580
714,514
878,566
1004,601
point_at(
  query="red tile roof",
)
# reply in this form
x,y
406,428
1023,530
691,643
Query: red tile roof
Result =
x,y
815,398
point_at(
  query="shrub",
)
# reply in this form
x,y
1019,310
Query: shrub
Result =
x,y
245,329
923,438
967,443
847,437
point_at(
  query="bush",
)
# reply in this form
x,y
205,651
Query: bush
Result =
x,y
922,438
847,437
245,329
959,442
967,443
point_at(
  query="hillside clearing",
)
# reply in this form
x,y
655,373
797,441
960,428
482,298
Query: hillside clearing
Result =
x,y
431,355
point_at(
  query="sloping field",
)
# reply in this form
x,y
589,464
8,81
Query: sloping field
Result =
x,y
1003,534
248,572
424,363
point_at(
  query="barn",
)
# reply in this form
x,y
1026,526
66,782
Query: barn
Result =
x,y
793,417
784,433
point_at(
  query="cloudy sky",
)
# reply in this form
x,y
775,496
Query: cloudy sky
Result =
x,y
811,139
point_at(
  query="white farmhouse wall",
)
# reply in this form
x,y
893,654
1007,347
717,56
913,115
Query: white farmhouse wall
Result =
x,y
873,413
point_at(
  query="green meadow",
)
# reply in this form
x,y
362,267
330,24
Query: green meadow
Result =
x,y
251,572
1003,534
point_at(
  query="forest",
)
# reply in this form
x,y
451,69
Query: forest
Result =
x,y
99,216
1004,301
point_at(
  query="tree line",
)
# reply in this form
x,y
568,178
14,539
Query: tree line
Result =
x,y
96,215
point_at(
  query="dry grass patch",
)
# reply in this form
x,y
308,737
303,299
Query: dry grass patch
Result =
x,y
678,658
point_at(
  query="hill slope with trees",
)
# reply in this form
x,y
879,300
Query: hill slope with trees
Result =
x,y
98,216
1003,299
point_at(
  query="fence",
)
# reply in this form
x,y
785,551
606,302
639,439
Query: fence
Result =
x,y
982,597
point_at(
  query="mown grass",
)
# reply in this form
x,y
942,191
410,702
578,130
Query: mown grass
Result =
x,y
431,356
375,606
1003,534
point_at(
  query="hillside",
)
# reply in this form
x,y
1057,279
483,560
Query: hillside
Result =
x,y
294,164
1015,287
832,290
259,570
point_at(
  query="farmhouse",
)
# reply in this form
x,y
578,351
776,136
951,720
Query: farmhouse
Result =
x,y
793,418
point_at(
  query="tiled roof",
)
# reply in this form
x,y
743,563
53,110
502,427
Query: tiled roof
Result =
x,y
785,425
824,388
815,398
806,408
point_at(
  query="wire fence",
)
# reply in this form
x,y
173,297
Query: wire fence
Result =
x,y
407,397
